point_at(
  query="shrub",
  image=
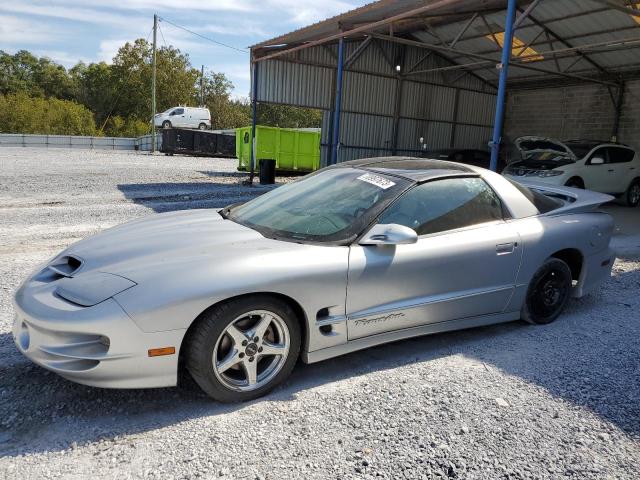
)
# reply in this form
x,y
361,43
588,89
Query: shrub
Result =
x,y
22,113
126,127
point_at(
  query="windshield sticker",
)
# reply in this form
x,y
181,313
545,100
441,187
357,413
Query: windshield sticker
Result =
x,y
376,180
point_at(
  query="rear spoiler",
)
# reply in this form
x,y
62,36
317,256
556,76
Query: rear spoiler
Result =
x,y
577,200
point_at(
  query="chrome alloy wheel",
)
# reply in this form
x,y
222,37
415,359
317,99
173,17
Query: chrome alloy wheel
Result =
x,y
251,350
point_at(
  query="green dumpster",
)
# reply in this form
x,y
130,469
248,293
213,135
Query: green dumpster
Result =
x,y
293,150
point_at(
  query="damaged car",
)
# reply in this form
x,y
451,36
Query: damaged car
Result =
x,y
352,256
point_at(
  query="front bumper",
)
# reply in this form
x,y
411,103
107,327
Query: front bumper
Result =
x,y
98,345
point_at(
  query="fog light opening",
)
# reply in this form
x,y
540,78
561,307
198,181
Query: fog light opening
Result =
x,y
24,337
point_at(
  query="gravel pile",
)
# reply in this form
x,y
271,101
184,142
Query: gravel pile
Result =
x,y
508,401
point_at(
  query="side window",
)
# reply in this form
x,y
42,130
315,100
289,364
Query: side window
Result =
x,y
178,111
620,155
599,153
445,205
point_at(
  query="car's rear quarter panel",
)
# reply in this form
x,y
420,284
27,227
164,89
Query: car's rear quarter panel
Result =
x,y
544,236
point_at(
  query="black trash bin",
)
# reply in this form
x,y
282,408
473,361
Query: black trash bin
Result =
x,y
267,171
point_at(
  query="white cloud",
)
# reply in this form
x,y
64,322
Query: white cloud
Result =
x,y
68,13
94,30
304,13
241,28
61,57
19,31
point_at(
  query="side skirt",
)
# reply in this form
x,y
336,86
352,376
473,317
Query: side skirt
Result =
x,y
393,336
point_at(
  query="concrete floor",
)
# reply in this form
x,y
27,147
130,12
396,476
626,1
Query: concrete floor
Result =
x,y
627,219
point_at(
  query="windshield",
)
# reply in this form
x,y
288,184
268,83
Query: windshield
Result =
x,y
580,150
333,205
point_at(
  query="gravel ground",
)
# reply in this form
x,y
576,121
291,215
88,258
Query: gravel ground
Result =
x,y
508,401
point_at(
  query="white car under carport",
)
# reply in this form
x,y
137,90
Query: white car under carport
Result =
x,y
611,168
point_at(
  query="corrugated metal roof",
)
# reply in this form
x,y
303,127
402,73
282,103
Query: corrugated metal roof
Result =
x,y
553,25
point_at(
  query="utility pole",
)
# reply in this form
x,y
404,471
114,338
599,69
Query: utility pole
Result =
x,y
153,85
202,87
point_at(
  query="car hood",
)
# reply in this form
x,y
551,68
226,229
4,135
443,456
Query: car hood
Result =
x,y
184,237
533,145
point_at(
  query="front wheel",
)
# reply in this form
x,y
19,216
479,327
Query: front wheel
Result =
x,y
548,292
575,182
242,349
166,124
632,195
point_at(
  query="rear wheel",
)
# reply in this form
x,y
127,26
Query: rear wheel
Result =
x,y
243,349
575,182
632,195
202,126
548,292
166,124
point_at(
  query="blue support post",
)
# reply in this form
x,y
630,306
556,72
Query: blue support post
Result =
x,y
254,119
336,118
502,85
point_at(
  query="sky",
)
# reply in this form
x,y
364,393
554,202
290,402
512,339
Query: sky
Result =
x,y
69,31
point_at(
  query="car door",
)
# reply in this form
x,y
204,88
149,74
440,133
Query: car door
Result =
x,y
621,168
598,176
178,118
464,263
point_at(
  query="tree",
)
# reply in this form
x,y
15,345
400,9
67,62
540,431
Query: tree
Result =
x,y
131,73
24,72
288,116
225,112
117,126
119,94
22,113
95,88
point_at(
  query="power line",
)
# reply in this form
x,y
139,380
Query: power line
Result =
x,y
162,35
203,36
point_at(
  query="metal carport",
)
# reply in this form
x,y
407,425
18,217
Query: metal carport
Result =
x,y
392,72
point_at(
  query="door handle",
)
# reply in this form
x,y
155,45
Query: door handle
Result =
x,y
610,170
505,248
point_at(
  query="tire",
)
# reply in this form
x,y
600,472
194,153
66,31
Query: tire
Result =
x,y
575,182
202,126
166,124
221,350
548,292
632,195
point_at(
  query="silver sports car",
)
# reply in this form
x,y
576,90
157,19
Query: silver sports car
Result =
x,y
352,256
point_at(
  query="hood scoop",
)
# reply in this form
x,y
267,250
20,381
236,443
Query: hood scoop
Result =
x,y
66,266
92,288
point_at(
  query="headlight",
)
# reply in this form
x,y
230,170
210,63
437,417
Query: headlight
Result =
x,y
550,173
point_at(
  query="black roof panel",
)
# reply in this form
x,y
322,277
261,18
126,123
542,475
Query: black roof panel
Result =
x,y
417,169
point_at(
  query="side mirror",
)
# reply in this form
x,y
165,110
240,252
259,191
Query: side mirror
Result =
x,y
390,234
597,161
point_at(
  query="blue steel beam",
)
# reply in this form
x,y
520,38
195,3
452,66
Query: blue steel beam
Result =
x,y
335,141
254,119
502,85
